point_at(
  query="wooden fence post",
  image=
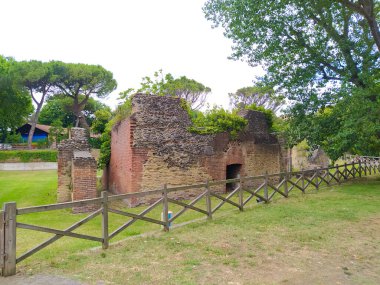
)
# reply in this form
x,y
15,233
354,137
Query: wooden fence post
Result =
x,y
316,177
9,267
105,235
345,171
208,201
2,239
266,196
337,172
286,184
360,168
241,197
303,180
165,210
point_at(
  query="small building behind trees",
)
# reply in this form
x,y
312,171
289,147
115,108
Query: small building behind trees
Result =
x,y
40,134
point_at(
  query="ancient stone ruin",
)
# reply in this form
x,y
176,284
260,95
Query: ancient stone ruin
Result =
x,y
153,147
304,159
76,170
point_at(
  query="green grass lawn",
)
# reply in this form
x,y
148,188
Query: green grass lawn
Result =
x,y
32,188
325,237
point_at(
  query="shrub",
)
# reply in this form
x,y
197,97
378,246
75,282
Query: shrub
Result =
x,y
218,120
28,155
105,150
41,144
122,112
95,142
57,132
268,113
13,138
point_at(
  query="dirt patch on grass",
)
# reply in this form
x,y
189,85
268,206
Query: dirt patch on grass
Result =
x,y
38,280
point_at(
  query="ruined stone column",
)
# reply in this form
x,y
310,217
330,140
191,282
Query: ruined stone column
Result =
x,y
77,142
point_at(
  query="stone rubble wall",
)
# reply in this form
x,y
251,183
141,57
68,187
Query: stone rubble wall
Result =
x,y
153,147
162,125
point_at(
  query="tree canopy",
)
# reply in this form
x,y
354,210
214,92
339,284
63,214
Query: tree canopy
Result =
x,y
192,91
102,117
320,54
15,102
60,108
299,43
79,82
261,96
38,78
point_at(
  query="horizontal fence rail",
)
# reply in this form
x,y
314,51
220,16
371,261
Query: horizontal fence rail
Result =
x,y
260,188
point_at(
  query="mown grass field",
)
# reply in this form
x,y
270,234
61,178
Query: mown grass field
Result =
x,y
327,237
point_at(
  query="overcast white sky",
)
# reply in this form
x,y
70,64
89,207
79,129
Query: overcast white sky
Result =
x,y
131,38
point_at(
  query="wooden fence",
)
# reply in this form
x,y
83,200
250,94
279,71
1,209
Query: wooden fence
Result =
x,y
264,190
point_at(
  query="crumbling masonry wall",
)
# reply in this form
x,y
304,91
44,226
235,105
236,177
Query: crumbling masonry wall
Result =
x,y
76,170
153,147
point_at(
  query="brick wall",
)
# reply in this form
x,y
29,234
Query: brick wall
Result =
x,y
83,175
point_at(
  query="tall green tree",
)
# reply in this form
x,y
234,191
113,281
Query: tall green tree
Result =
x,y
102,117
261,96
38,79
350,125
15,103
319,53
60,108
194,92
81,81
369,10
300,43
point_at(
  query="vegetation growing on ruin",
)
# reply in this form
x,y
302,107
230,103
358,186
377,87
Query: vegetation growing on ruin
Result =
x,y
217,120
212,121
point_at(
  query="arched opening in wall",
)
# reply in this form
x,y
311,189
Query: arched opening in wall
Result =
x,y
232,171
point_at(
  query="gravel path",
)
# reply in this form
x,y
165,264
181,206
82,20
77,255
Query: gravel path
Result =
x,y
38,280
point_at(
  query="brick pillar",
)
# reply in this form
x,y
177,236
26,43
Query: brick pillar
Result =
x,y
77,142
83,177
64,174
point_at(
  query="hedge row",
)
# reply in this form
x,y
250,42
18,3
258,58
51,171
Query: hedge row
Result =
x,y
28,155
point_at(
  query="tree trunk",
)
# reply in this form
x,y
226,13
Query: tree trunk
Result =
x,y
366,9
80,119
83,122
375,32
36,115
33,124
